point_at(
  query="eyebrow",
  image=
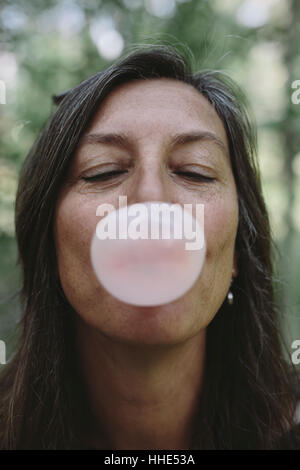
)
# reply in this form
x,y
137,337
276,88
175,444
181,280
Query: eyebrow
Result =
x,y
198,136
123,141
118,140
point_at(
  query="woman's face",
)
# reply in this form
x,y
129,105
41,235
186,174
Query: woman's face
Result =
x,y
151,132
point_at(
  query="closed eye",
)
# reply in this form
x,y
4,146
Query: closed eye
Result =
x,y
194,176
104,176
114,173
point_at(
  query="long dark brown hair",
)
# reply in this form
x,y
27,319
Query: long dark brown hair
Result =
x,y
247,401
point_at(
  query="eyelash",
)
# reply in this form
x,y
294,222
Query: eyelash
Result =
x,y
195,176
111,174
104,176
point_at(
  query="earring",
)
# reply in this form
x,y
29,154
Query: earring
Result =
x,y
230,298
230,294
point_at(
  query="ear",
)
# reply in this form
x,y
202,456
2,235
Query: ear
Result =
x,y
235,269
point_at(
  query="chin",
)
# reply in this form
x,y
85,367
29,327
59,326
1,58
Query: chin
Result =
x,y
167,324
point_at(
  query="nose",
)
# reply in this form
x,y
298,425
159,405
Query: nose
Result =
x,y
150,183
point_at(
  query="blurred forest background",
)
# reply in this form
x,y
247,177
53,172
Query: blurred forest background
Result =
x,y
47,46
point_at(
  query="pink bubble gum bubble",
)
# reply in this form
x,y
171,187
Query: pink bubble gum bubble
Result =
x,y
139,269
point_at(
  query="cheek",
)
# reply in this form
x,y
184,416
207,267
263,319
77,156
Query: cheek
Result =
x,y
221,221
74,228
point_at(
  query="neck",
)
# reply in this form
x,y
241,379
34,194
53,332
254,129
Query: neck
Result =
x,y
141,396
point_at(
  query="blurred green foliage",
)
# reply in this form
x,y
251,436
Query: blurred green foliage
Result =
x,y
48,46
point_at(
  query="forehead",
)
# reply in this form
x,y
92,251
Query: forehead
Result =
x,y
158,105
